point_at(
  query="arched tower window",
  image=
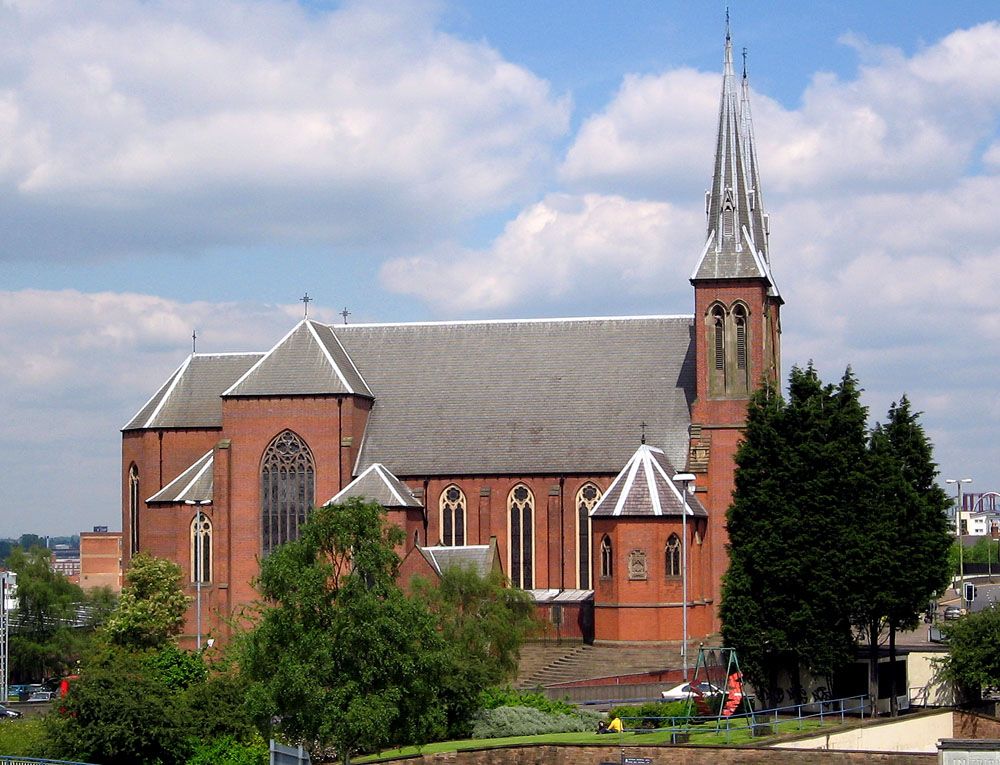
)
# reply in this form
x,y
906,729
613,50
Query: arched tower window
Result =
x,y
133,508
287,478
717,346
673,556
741,379
586,498
201,549
607,559
521,514
453,516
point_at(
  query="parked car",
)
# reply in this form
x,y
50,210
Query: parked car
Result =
x,y
39,696
685,691
952,612
7,712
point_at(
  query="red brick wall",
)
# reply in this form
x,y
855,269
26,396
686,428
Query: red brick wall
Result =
x,y
649,609
661,755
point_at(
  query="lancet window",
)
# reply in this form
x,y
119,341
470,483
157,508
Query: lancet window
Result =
x,y
133,508
521,514
453,506
201,548
586,498
287,480
607,558
673,556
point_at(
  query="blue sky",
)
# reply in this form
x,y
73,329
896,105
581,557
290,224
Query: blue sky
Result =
x,y
171,166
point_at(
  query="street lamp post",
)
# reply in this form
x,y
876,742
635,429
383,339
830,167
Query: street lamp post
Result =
x,y
684,479
199,563
958,531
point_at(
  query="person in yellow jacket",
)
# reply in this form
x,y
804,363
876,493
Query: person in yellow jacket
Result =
x,y
615,726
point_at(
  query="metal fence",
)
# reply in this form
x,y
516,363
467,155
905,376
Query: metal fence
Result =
x,y
288,755
8,760
762,723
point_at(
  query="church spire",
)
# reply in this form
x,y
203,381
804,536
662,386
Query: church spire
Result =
x,y
731,247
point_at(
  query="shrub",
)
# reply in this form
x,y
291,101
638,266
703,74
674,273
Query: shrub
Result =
x,y
493,698
228,751
653,714
527,721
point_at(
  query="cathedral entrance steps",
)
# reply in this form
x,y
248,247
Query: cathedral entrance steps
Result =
x,y
545,665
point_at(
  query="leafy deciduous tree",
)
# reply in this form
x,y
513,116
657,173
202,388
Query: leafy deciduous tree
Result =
x,y
151,609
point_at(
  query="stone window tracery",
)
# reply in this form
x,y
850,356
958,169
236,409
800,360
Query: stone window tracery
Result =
x,y
673,556
453,506
133,508
607,561
586,498
521,514
287,478
201,549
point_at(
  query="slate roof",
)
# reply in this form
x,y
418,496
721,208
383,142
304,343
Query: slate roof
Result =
x,y
190,396
309,360
645,487
732,250
481,558
522,397
193,485
379,485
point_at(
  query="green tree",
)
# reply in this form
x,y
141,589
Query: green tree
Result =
x,y
907,537
151,608
44,641
973,661
339,654
484,623
799,469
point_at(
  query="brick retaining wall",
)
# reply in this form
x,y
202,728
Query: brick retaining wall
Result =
x,y
663,755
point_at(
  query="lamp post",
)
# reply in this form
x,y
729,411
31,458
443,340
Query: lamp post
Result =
x,y
199,563
684,479
958,530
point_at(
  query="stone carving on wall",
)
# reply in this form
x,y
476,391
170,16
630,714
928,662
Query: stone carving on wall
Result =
x,y
637,564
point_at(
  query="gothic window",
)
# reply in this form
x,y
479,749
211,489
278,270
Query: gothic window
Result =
x,y
586,498
201,549
133,508
453,516
521,512
740,381
607,564
716,328
287,478
673,556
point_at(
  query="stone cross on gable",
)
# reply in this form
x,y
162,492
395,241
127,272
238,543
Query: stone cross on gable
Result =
x,y
345,313
643,426
306,300
194,341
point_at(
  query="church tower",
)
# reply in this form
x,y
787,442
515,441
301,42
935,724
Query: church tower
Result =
x,y
736,320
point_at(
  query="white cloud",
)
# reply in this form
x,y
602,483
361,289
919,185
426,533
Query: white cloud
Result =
x,y
564,247
242,118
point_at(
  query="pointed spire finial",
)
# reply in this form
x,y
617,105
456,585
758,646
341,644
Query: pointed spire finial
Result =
x,y
306,300
727,24
194,341
643,426
744,62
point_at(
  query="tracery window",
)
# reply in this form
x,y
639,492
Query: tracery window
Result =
x,y
201,548
607,562
740,324
287,479
133,508
673,556
586,498
521,514
453,506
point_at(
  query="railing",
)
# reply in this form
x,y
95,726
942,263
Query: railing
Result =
x,y
287,755
764,722
9,760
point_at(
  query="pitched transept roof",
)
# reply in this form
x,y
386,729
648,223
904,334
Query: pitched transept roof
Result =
x,y
190,396
193,485
377,484
309,360
645,486
480,558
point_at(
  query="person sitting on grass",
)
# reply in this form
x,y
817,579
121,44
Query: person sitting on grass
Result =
x,y
615,726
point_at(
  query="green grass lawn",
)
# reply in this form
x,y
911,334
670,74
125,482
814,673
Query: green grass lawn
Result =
x,y
705,734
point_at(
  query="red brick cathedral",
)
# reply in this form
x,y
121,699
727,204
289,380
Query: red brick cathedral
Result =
x,y
547,447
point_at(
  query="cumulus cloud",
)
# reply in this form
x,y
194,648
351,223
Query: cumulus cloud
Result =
x,y
76,367
134,126
565,247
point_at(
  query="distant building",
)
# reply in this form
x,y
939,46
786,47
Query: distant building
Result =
x,y
100,562
980,514
65,560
